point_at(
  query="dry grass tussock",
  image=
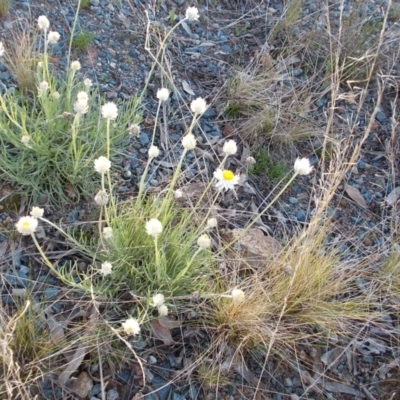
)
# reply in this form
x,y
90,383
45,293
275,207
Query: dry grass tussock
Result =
x,y
21,57
305,295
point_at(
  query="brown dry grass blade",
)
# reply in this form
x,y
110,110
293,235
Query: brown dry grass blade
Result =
x,y
72,365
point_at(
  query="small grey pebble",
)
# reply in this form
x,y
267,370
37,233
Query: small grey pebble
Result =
x,y
112,395
152,360
381,116
293,200
288,382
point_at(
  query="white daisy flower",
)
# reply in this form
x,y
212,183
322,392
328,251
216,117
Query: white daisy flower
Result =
x,y
43,23
226,179
204,241
37,212
162,311
26,225
192,14
102,164
109,111
158,300
106,268
237,295
163,94
198,106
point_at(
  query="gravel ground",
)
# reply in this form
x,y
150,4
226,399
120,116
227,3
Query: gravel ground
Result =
x,y
202,55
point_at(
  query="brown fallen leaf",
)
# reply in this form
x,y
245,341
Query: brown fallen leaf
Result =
x,y
356,196
161,332
72,365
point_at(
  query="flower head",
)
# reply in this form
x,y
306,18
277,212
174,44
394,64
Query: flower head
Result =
x,y
43,88
75,65
250,160
83,96
153,152
154,227
53,37
237,295
102,164
178,193
162,311
43,23
198,106
106,268
1,49
26,225
204,241
134,130
107,232
25,140
226,179
81,107
131,326
212,223
158,300
56,95
229,148
192,14
101,198
163,94
302,166
189,142
37,212
87,82
109,111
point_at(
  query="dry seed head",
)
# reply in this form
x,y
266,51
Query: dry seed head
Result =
x,y
101,198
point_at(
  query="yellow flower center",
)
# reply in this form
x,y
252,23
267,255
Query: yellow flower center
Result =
x,y
228,175
26,224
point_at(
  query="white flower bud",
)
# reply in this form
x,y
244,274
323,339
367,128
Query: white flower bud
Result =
x,y
198,106
230,148
37,212
192,14
109,111
189,142
302,166
158,300
75,65
53,37
154,227
102,164
106,268
131,326
153,152
204,241
162,94
43,23
101,198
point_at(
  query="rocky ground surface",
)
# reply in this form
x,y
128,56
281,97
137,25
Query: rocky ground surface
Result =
x,y
202,56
